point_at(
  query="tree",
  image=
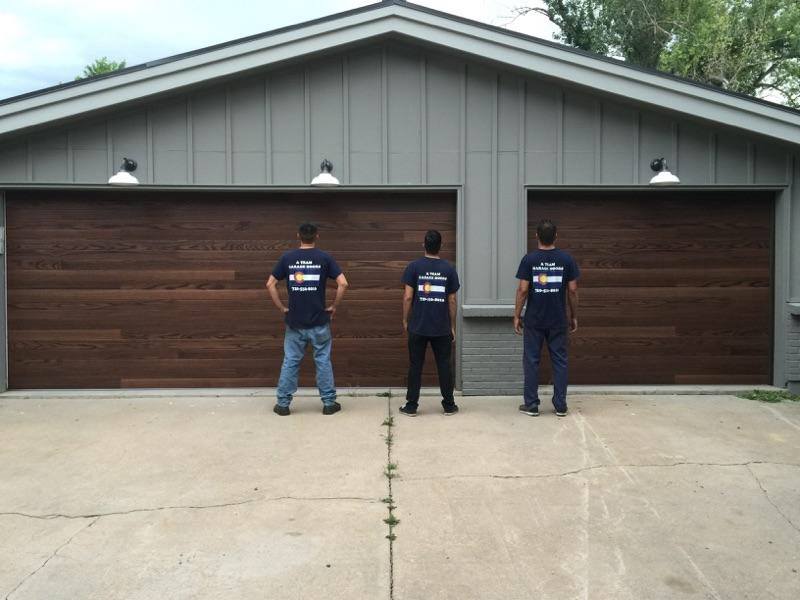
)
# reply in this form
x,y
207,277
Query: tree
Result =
x,y
101,66
747,46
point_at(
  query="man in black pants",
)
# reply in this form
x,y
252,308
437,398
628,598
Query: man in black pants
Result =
x,y
429,295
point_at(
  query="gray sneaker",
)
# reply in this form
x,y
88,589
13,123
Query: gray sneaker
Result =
x,y
531,411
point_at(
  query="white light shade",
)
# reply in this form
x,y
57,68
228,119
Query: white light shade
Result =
x,y
123,178
324,179
664,178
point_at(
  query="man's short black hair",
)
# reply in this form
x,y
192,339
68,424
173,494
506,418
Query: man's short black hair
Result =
x,y
433,241
307,232
546,232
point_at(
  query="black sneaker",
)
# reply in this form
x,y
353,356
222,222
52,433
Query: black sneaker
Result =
x,y
561,413
531,411
281,410
332,408
409,410
450,409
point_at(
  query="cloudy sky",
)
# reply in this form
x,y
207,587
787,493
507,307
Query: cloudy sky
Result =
x,y
46,42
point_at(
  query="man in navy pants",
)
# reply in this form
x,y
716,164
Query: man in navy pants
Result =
x,y
548,284
430,284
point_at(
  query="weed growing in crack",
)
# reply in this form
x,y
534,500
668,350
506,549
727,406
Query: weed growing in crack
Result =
x,y
771,396
390,472
384,394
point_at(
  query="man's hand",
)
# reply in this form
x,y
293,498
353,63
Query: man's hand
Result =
x,y
331,310
517,325
284,309
405,325
453,333
573,325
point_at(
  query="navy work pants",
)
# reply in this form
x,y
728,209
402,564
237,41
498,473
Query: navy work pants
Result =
x,y
532,353
442,351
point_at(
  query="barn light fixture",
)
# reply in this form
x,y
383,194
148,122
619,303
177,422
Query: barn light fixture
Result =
x,y
325,177
663,175
123,176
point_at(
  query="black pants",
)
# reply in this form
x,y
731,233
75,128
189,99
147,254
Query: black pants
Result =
x,y
442,351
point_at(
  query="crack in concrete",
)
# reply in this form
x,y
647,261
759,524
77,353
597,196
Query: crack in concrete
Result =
x,y
601,467
390,476
51,557
769,499
50,516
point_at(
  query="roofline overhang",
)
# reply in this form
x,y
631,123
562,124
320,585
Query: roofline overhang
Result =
x,y
521,52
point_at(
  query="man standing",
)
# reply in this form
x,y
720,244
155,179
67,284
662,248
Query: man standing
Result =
x,y
548,281
429,295
307,270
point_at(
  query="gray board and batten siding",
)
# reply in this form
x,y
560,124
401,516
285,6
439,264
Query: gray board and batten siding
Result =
x,y
398,115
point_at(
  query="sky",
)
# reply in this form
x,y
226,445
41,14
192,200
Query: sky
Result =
x,y
47,42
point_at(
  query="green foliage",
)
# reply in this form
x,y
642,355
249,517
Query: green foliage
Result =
x,y
771,396
747,46
101,66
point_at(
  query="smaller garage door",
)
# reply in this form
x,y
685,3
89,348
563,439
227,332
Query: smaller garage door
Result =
x,y
675,289
134,288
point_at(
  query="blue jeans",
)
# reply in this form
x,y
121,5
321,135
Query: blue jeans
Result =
x,y
532,353
294,347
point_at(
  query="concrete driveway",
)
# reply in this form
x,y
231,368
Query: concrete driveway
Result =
x,y
216,497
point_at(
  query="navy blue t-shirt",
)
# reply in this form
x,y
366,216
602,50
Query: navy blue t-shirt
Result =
x,y
433,279
549,272
306,271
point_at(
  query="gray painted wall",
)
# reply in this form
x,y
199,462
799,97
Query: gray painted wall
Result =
x,y
403,115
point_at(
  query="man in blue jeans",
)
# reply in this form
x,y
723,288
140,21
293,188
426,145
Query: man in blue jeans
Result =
x,y
548,284
307,269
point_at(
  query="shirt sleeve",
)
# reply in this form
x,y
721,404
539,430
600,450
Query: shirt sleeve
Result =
x,y
410,275
524,271
280,271
453,284
334,270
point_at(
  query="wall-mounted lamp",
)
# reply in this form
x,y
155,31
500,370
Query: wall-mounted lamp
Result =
x,y
663,175
325,177
123,176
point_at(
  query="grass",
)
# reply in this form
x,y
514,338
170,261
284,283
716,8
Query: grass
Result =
x,y
771,396
390,473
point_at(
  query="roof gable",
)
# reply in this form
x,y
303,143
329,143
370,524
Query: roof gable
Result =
x,y
395,18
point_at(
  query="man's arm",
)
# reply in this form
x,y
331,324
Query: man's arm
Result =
x,y
408,298
522,294
341,288
272,288
451,300
572,304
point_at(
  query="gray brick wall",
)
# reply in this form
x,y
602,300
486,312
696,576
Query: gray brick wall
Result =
x,y
793,349
491,357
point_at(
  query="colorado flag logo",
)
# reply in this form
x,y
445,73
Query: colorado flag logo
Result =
x,y
300,277
544,278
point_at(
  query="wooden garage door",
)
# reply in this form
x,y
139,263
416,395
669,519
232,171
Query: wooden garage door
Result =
x,y
142,289
675,289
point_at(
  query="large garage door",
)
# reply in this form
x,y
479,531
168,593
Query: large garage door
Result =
x,y
145,289
675,288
